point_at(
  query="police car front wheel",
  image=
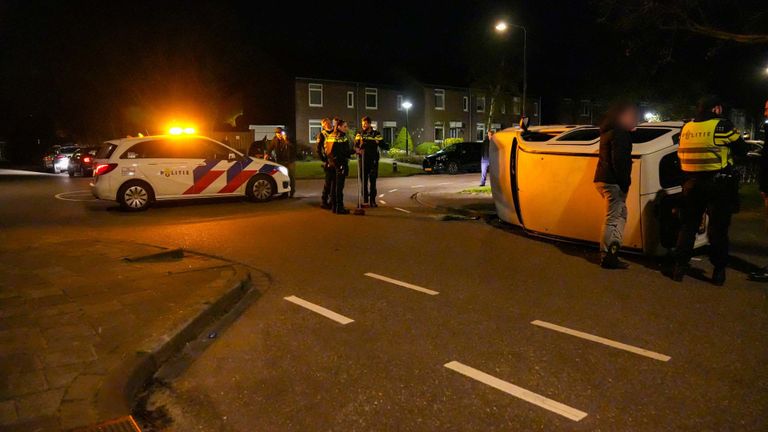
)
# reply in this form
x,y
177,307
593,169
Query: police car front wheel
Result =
x,y
135,196
261,188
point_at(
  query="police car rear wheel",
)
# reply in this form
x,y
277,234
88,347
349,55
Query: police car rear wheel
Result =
x,y
260,188
135,196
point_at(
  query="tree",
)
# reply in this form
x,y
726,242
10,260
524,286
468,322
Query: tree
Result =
x,y
400,140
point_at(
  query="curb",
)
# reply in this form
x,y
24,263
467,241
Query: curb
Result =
x,y
117,394
419,198
177,253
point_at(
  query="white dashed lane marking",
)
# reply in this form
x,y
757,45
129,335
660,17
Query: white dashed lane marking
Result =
x,y
402,210
402,284
602,340
383,202
341,319
417,186
518,392
381,195
392,190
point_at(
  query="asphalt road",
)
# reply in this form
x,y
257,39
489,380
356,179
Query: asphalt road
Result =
x,y
454,350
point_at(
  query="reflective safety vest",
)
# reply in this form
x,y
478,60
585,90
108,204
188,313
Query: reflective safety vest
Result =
x,y
704,145
369,141
331,139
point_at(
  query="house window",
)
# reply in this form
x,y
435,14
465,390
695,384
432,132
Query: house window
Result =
x,y
388,131
535,109
465,104
480,103
503,107
315,126
315,95
480,132
350,99
456,129
439,132
516,105
371,98
585,108
439,99
399,102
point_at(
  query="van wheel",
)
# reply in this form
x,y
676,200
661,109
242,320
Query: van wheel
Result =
x,y
453,168
71,172
260,188
135,195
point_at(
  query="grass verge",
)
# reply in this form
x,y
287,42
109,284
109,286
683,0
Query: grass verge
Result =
x,y
314,170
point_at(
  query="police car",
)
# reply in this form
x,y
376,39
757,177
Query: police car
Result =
x,y
136,172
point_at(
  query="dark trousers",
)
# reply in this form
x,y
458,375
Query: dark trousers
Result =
x,y
328,185
338,186
370,172
703,192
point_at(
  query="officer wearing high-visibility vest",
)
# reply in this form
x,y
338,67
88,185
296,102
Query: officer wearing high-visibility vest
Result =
x,y
330,174
367,144
338,150
707,146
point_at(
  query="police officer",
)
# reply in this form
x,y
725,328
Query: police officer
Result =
x,y
282,151
339,150
330,174
762,274
707,146
367,143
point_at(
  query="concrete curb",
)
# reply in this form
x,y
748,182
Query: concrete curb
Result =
x,y
163,254
117,394
422,200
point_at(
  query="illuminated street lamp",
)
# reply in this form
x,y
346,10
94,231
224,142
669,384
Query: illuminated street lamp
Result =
x,y
502,27
406,106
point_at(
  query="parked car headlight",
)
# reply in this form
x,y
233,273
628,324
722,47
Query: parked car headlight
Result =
x,y
283,170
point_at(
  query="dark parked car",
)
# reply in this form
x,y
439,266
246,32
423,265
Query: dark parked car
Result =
x,y
82,162
455,158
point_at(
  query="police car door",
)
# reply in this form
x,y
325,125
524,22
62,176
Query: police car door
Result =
x,y
214,173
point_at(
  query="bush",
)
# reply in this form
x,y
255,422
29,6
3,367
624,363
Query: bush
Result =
x,y
449,141
400,140
412,158
426,148
394,152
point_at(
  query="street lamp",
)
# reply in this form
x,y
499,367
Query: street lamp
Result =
x,y
502,27
406,106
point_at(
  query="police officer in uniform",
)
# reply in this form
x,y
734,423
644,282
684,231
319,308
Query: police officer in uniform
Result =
x,y
282,151
330,174
367,143
339,150
707,146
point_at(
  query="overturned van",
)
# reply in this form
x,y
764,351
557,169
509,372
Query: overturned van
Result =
x,y
542,181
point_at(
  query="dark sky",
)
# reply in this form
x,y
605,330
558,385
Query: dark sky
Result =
x,y
76,64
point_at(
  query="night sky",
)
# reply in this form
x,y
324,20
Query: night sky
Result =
x,y
91,69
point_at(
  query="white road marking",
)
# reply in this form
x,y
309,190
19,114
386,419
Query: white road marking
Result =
x,y
518,392
381,195
81,195
401,283
401,209
341,319
382,202
392,190
417,186
443,184
604,341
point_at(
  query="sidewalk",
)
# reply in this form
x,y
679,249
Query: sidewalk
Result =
x,y
82,329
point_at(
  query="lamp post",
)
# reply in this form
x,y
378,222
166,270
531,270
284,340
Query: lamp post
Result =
x,y
502,27
406,106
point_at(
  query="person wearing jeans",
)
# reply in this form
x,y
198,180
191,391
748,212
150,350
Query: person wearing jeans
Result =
x,y
485,158
613,177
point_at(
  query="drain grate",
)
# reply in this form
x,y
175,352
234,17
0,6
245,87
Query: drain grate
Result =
x,y
122,424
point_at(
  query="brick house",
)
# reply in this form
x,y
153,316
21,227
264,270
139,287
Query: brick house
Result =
x,y
438,111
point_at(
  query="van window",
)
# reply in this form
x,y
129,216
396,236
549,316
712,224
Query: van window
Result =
x,y
670,173
586,136
643,135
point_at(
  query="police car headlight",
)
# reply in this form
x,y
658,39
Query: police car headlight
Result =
x,y
283,170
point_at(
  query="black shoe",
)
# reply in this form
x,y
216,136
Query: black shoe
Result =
x,y
759,276
325,206
718,276
679,272
373,204
613,263
341,211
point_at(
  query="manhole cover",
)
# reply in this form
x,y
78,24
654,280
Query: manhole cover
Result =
x,y
122,424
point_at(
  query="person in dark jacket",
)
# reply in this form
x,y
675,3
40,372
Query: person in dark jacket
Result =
x,y
330,175
762,274
613,177
485,156
282,151
368,142
338,159
258,149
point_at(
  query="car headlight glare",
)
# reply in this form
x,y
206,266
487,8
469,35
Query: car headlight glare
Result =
x,y
283,170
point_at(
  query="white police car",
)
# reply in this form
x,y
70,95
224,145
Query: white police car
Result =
x,y
136,172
